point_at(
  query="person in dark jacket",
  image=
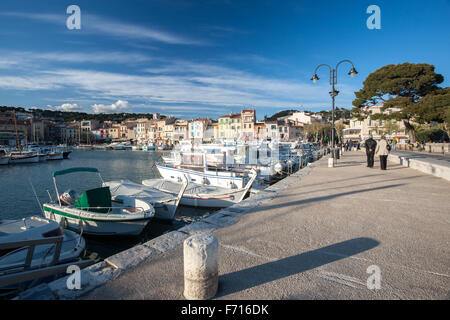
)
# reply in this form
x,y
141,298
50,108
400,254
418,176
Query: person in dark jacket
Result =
x,y
370,145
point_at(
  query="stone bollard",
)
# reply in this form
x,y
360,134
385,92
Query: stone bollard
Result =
x,y
330,162
201,267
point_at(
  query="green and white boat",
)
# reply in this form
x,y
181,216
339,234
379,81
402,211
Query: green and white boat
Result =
x,y
95,212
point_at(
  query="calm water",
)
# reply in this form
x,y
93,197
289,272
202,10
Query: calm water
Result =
x,y
18,200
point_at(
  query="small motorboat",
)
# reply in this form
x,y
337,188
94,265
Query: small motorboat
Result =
x,y
201,195
55,155
32,229
94,211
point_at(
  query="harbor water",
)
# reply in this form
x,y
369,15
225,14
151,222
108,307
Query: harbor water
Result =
x,y
25,187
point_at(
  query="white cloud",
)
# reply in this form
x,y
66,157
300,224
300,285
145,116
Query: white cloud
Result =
x,y
117,106
66,107
179,84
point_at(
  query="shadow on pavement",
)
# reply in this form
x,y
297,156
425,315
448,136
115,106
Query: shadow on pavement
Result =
x,y
251,277
322,198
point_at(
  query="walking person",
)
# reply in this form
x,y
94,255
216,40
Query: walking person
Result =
x,y
382,150
370,145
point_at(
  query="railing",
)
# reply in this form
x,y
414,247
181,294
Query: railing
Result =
x,y
30,246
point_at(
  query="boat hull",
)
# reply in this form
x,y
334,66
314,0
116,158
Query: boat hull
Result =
x,y
211,201
68,220
55,156
24,159
219,179
4,160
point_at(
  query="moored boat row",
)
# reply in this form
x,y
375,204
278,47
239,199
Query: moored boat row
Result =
x,y
33,155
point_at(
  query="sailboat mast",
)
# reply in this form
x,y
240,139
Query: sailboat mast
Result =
x,y
17,133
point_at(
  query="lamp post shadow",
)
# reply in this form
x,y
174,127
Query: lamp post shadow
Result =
x,y
275,270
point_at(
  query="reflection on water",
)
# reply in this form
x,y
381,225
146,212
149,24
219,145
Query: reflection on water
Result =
x,y
18,199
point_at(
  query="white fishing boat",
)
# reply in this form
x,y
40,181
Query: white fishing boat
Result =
x,y
165,203
23,157
84,147
220,178
95,212
199,195
122,146
34,229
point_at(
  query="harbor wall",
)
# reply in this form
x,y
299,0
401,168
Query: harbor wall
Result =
x,y
112,267
438,168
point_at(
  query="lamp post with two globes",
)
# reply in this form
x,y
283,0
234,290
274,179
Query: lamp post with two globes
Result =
x,y
333,92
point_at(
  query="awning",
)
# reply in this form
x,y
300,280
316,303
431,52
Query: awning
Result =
x,y
71,170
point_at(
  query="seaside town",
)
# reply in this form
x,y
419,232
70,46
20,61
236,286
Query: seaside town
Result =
x,y
181,151
163,132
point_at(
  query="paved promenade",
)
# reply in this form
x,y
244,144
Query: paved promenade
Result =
x,y
316,240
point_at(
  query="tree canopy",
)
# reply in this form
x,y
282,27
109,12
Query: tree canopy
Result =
x,y
410,88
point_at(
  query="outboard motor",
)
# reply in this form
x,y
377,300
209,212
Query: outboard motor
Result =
x,y
69,197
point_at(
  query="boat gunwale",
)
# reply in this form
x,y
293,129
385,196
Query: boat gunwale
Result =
x,y
54,208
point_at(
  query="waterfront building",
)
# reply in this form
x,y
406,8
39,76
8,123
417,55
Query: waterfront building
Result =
x,y
13,128
70,133
248,124
303,117
230,126
89,125
141,131
198,129
260,130
180,130
375,127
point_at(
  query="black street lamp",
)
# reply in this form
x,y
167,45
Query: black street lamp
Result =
x,y
333,92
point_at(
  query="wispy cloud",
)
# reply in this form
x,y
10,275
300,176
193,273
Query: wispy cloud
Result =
x,y
233,88
43,17
106,26
28,59
126,30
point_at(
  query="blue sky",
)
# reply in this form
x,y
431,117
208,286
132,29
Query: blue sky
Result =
x,y
207,58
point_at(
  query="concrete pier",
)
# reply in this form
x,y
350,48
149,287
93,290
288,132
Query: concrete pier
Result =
x,y
318,234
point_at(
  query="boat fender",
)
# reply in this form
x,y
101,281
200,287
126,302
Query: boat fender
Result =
x,y
63,223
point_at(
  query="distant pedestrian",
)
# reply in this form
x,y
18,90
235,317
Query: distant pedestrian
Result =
x,y
394,144
382,150
370,145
